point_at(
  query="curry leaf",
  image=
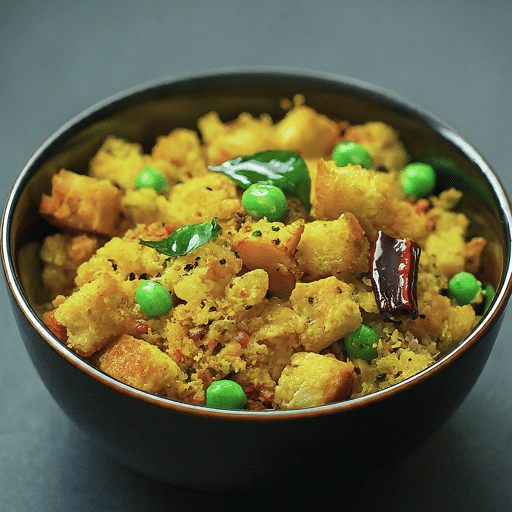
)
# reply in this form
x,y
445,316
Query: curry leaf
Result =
x,y
281,168
186,239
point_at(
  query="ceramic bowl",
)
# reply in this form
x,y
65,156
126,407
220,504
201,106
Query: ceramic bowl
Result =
x,y
207,448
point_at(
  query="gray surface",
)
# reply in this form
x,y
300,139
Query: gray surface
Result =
x,y
59,57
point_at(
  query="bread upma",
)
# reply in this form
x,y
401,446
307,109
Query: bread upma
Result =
x,y
260,264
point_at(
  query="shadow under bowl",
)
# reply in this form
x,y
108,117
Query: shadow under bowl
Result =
x,y
207,448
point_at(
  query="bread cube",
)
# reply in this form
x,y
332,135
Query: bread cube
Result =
x,y
312,379
62,254
375,198
330,311
97,313
446,245
333,248
382,142
143,366
243,136
271,251
182,148
204,273
307,132
200,199
120,162
82,203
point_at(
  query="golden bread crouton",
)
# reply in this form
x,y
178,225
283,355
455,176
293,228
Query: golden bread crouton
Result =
x,y
382,142
333,248
120,162
312,380
270,246
307,132
330,310
143,366
394,364
243,136
364,296
248,289
375,198
62,254
278,328
98,312
446,245
82,203
446,322
203,273
122,258
140,206
182,148
473,253
200,199
258,387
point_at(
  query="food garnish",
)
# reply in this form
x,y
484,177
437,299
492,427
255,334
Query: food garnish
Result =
x,y
284,169
394,276
186,239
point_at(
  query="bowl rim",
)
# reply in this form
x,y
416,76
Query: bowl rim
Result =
x,y
175,84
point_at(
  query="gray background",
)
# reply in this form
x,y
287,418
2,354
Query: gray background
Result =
x,y
59,57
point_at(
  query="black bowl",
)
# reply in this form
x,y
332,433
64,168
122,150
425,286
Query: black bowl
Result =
x,y
202,447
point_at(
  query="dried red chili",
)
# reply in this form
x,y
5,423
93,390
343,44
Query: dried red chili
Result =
x,y
394,275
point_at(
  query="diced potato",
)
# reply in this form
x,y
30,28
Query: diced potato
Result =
x,y
82,203
330,310
142,365
382,141
312,380
338,248
272,251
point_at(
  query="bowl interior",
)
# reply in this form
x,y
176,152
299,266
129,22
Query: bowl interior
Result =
x,y
147,112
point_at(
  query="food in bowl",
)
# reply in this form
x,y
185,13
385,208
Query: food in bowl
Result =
x,y
260,264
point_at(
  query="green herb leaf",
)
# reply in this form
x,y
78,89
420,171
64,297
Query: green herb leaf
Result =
x,y
281,168
186,239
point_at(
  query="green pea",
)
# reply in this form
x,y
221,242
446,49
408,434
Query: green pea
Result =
x,y
153,298
464,288
362,343
418,180
264,200
150,177
225,394
349,152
